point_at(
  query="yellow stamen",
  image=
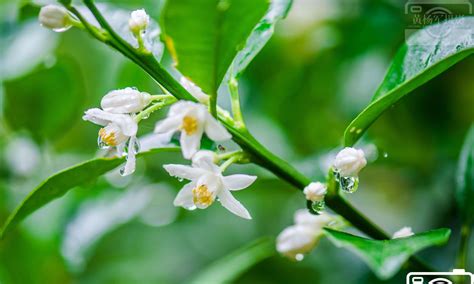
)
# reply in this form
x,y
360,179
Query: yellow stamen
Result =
x,y
202,196
108,138
190,125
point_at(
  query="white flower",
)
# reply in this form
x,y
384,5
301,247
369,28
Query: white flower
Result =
x,y
207,184
117,130
296,240
194,90
55,17
192,119
403,233
301,238
23,156
138,21
315,191
349,161
128,100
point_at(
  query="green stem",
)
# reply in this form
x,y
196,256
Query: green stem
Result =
x,y
235,102
466,231
146,112
258,153
229,162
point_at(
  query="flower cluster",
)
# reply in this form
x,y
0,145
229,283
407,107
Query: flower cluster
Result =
x,y
120,127
302,237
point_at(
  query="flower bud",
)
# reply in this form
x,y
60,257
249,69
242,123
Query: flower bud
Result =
x,y
55,17
315,191
403,233
126,100
138,21
297,240
349,161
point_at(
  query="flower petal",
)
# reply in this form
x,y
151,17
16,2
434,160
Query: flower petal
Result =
x,y
185,196
182,171
167,125
131,159
180,108
233,205
215,130
97,116
190,144
126,123
238,182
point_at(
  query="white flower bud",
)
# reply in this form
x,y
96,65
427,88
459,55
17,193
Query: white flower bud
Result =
x,y
55,17
403,233
297,240
138,21
315,191
126,100
349,161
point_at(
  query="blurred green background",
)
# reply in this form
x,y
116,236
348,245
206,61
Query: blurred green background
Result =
x,y
317,72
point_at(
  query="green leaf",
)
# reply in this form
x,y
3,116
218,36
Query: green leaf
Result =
x,y
60,183
426,54
204,36
465,178
385,257
260,35
233,265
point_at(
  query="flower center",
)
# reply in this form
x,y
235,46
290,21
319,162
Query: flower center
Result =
x,y
108,137
202,196
190,125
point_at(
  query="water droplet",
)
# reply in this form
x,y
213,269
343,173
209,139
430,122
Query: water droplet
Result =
x,y
318,206
299,257
146,116
385,154
180,179
122,171
63,29
102,144
191,208
347,184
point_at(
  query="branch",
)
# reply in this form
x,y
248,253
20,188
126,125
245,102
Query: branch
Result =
x,y
258,153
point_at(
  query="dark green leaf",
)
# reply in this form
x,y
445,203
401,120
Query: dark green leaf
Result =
x,y
465,178
425,55
260,35
204,36
60,183
233,265
387,256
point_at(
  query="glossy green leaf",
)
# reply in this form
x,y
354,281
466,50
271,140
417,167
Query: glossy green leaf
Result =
x,y
60,183
260,35
204,36
465,178
426,54
385,257
233,265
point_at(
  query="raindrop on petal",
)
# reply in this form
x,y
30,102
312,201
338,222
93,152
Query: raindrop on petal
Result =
x,y
101,143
